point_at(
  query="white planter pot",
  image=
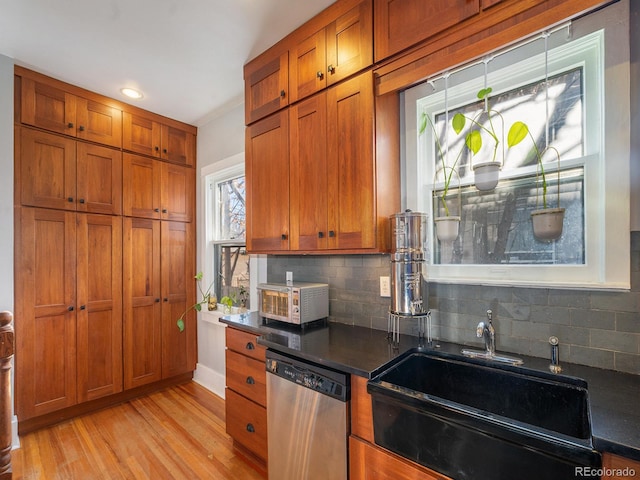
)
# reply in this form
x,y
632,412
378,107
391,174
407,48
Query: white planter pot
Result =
x,y
447,228
486,175
547,223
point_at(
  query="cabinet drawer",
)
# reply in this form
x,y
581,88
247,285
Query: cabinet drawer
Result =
x,y
245,343
247,377
246,423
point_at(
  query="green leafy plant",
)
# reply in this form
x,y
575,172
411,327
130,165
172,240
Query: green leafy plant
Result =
x,y
205,295
228,301
448,171
518,132
473,139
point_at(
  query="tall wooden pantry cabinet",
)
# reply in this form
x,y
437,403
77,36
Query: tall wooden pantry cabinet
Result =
x,y
104,259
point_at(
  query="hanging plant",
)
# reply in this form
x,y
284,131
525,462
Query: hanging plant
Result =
x,y
486,173
547,222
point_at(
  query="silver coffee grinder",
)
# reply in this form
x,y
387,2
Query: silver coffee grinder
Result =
x,y
409,299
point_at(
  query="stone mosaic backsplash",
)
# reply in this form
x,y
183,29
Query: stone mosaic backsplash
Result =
x,y
595,328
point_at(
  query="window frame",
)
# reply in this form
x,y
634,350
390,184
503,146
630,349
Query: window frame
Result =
x,y
607,239
212,174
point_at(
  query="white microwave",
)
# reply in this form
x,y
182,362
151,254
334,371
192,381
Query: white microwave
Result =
x,y
298,303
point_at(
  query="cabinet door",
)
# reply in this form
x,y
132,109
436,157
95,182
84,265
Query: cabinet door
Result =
x,y
45,306
141,195
178,293
308,184
47,107
141,302
178,146
99,123
349,43
99,179
99,316
47,170
266,85
307,66
140,134
368,462
267,184
400,24
177,192
351,164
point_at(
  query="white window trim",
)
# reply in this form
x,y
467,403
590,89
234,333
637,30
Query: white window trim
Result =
x,y
210,175
606,229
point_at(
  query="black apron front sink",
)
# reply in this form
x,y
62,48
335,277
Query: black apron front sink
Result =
x,y
470,420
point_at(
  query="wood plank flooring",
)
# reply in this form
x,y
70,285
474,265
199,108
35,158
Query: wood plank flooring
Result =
x,y
176,433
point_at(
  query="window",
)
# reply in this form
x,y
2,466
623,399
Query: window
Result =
x,y
555,83
229,256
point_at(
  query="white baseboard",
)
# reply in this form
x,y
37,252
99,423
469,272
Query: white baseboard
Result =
x,y
15,440
209,379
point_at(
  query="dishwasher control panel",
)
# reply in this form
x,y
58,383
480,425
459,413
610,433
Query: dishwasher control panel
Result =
x,y
322,380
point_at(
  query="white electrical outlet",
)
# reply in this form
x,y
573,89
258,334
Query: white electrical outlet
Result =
x,y
385,287
289,278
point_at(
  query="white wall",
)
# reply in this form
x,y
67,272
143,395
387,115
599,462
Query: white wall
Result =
x,y
219,138
6,183
6,196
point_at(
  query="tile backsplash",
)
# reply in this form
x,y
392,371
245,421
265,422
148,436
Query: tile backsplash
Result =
x,y
596,328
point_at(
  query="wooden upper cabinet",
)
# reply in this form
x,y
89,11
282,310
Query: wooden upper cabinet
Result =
x,y
266,85
141,186
145,134
47,169
267,183
57,172
351,164
340,49
177,191
399,24
45,106
155,189
309,173
99,179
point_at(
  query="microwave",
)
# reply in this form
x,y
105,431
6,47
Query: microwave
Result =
x,y
298,303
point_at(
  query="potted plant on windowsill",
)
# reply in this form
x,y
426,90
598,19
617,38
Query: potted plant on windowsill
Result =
x,y
447,226
547,221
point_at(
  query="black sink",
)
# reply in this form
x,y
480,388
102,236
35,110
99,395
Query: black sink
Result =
x,y
470,419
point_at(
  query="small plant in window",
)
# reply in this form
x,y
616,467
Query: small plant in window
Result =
x,y
486,173
547,222
205,297
446,227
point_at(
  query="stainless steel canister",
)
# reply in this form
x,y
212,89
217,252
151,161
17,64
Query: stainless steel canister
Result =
x,y
407,231
408,288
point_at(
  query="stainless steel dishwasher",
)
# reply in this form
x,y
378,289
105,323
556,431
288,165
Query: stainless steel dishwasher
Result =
x,y
307,406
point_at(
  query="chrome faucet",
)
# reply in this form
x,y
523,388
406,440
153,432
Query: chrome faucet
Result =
x,y
554,366
486,331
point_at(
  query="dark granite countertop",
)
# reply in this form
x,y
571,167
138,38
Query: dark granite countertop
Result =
x,y
613,396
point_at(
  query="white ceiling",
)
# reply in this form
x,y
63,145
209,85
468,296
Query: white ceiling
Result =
x,y
186,56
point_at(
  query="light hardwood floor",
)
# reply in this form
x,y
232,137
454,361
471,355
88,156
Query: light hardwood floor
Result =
x,y
177,433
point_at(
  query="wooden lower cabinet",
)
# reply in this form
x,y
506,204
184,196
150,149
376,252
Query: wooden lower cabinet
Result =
x,y
68,291
158,286
619,468
246,393
369,462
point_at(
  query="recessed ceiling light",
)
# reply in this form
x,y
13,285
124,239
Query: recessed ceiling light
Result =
x,y
131,93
